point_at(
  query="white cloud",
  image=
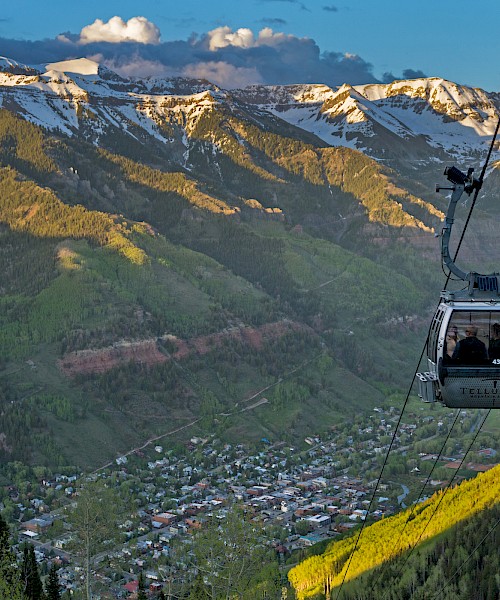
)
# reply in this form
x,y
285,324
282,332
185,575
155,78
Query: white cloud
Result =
x,y
268,38
136,29
226,57
223,74
222,37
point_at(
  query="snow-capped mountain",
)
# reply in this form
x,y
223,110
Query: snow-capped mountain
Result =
x,y
412,122
82,97
406,119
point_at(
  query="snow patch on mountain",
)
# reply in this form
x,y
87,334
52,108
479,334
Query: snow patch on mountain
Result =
x,y
8,65
69,91
433,114
82,66
50,113
444,115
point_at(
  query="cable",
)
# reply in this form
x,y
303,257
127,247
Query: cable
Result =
x,y
476,194
447,437
386,458
477,189
381,472
443,495
465,561
384,566
478,186
485,166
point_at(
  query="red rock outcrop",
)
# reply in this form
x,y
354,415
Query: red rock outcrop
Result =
x,y
146,352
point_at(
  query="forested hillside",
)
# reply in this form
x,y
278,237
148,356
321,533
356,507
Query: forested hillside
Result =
x,y
137,287
450,565
461,564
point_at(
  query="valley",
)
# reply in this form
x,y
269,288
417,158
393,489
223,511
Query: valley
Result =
x,y
214,296
312,493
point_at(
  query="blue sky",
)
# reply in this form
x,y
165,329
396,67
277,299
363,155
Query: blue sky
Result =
x,y
265,41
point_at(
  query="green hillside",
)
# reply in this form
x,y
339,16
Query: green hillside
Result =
x,y
139,295
386,541
459,564
242,285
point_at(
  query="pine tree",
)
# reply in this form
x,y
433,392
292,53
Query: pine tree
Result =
x,y
30,575
52,591
199,590
25,572
36,582
4,535
10,584
141,588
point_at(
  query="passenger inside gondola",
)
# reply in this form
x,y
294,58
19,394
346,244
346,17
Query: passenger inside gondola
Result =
x,y
451,341
494,347
470,350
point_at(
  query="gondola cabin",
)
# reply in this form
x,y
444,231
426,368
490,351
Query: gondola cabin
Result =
x,y
463,351
463,345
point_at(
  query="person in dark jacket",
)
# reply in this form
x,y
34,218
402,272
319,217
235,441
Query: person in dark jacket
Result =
x,y
494,347
470,350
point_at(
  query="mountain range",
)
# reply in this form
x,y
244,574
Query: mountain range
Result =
x,y
173,250
421,119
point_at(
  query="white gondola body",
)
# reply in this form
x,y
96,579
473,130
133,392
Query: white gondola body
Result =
x,y
456,383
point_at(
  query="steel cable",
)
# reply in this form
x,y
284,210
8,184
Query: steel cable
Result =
x,y
478,186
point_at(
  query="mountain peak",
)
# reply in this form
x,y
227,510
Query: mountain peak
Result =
x,y
79,66
7,65
413,119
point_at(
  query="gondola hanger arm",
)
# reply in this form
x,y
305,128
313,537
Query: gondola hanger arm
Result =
x,y
461,183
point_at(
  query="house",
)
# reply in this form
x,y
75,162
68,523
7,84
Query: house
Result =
x,y
132,586
488,452
344,527
319,521
194,508
320,482
359,514
193,523
38,525
164,518
309,540
257,490
310,509
29,534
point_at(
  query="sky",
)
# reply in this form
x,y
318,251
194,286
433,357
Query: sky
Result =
x,y
235,43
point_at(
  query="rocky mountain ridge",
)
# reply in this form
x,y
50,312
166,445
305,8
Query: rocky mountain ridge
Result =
x,y
451,121
421,120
